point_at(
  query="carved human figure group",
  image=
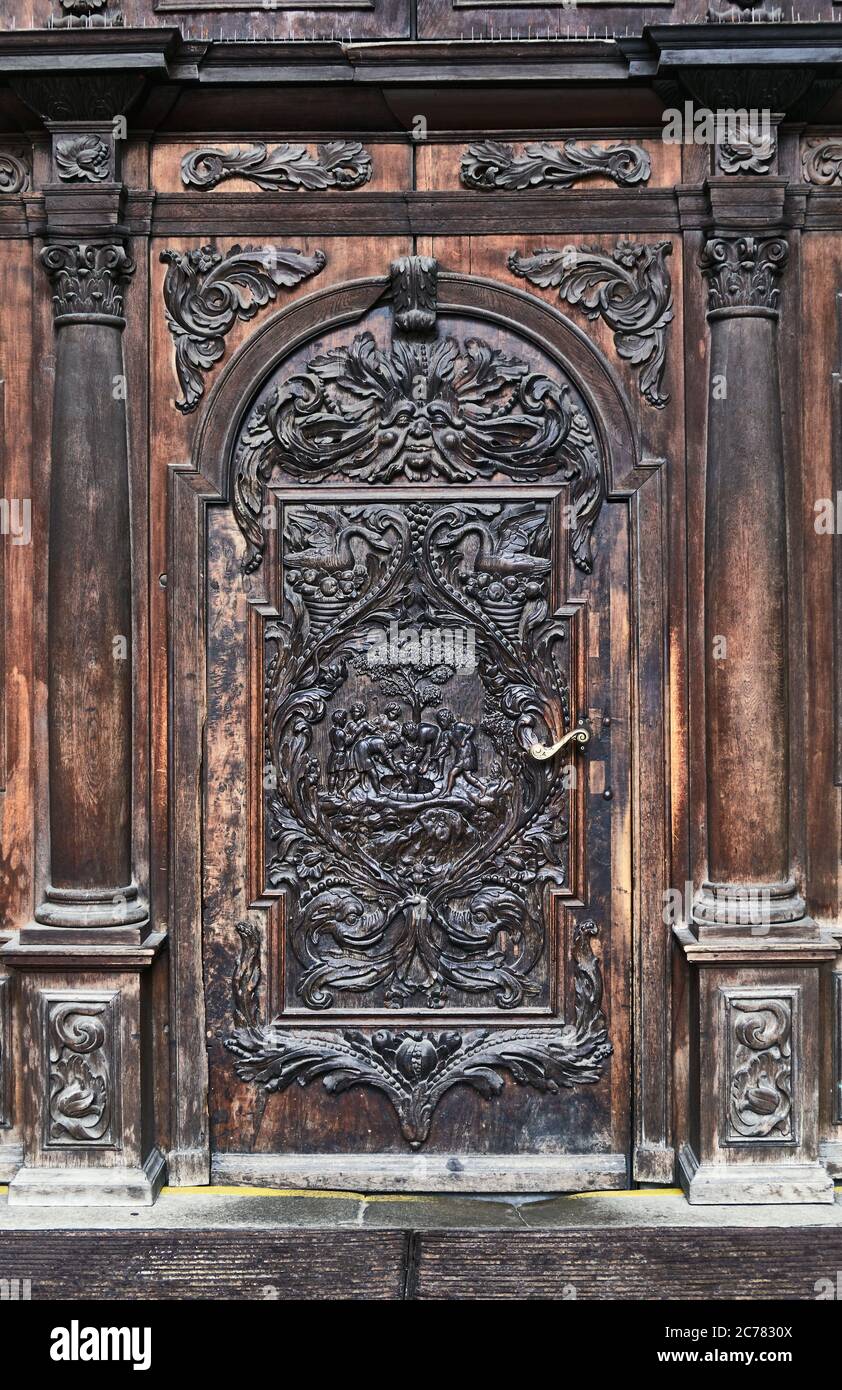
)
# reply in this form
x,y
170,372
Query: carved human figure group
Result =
x,y
400,758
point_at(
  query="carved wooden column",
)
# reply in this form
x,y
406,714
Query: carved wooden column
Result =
x,y
83,961
753,951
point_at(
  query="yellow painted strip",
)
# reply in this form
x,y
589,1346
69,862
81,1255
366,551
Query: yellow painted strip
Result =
x,y
288,1192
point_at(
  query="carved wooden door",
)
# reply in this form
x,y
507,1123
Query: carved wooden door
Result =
x,y
410,910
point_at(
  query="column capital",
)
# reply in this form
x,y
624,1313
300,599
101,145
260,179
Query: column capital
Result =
x,y
742,272
88,278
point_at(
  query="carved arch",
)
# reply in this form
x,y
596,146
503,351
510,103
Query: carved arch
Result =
x,y
207,481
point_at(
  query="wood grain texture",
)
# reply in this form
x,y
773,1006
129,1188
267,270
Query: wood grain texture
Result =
x,y
220,1264
731,1264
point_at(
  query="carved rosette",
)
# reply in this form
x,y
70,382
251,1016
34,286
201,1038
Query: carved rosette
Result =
x,y
415,1068
206,292
88,278
82,157
287,168
746,150
760,1069
492,164
743,272
80,1043
630,290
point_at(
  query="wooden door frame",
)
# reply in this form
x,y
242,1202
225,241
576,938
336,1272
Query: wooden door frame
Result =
x,y
206,482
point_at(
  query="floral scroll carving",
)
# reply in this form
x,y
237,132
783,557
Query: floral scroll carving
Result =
x,y
760,1046
418,846
492,164
206,292
288,168
630,290
415,1068
80,1043
452,410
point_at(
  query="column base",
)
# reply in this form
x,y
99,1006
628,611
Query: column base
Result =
x,y
756,910
87,913
752,1184
89,1187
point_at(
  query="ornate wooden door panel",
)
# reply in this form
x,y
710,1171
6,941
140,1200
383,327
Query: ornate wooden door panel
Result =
x,y
418,587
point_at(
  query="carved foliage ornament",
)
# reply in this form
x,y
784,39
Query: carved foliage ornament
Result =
x,y
747,149
760,1042
87,277
417,840
822,162
14,173
290,168
630,290
743,271
450,410
491,164
84,157
206,292
415,1068
80,1043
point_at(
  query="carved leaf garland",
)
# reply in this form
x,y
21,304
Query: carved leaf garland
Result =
x,y
630,290
288,167
492,164
205,292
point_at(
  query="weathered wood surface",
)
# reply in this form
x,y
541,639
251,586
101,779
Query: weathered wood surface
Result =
x,y
731,1264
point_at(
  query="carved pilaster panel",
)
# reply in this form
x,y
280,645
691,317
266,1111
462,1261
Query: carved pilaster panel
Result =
x,y
81,1103
87,278
743,271
837,1048
5,1053
762,1048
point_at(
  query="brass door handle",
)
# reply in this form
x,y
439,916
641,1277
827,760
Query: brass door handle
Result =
x,y
541,751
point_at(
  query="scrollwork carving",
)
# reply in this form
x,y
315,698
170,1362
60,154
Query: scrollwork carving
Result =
x,y
87,278
452,411
288,168
630,290
743,271
417,661
760,1045
414,1069
821,161
14,173
80,1042
206,292
492,164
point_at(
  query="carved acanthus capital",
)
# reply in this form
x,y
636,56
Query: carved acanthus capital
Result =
x,y
87,278
742,272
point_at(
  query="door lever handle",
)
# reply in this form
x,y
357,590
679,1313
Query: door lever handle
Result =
x,y
542,751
